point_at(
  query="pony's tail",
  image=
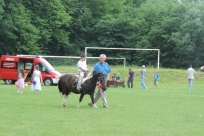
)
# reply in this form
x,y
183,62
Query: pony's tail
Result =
x,y
60,86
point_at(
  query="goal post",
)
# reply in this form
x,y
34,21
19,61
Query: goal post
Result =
x,y
103,48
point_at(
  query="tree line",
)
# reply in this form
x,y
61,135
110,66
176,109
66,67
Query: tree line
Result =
x,y
66,27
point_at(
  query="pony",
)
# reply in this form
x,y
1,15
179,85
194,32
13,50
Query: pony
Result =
x,y
67,81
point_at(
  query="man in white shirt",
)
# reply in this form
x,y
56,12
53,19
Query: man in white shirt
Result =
x,y
190,76
82,68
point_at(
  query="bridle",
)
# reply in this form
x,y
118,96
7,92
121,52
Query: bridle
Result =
x,y
101,79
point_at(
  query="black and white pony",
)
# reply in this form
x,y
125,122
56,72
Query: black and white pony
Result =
x,y
66,82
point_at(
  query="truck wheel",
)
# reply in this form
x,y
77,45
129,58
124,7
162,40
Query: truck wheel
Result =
x,y
48,81
8,81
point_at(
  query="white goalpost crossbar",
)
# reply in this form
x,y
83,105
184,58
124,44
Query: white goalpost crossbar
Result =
x,y
103,48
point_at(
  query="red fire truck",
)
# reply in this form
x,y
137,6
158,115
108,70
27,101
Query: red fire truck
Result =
x,y
10,67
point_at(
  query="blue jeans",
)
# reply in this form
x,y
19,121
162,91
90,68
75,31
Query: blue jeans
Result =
x,y
190,84
143,83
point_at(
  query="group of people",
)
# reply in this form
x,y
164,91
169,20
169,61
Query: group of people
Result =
x,y
101,66
190,77
142,76
116,77
131,78
36,77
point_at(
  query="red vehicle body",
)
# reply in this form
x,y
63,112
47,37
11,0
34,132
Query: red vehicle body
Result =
x,y
11,65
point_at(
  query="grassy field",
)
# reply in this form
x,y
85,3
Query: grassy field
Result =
x,y
170,110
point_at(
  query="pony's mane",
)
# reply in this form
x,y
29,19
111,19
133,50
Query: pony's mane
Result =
x,y
90,75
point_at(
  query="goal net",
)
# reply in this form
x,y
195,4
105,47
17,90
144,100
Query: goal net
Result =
x,y
127,49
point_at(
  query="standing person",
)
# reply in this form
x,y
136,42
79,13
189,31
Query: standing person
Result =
x,y
143,76
190,76
130,78
103,67
20,82
37,77
156,78
82,68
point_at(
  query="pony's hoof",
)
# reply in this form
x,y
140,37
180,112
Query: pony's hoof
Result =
x,y
64,105
78,106
94,106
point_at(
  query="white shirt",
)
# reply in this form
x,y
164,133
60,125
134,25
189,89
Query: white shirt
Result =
x,y
81,64
190,73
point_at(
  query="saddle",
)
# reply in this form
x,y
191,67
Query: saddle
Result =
x,y
86,76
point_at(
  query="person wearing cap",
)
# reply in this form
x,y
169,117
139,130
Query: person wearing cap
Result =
x,y
130,78
143,76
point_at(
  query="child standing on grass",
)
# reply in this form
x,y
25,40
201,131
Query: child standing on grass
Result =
x,y
37,77
20,82
156,78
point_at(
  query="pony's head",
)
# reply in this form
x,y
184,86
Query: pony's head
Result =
x,y
102,81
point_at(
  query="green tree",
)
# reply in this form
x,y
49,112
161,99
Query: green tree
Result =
x,y
86,15
52,21
18,35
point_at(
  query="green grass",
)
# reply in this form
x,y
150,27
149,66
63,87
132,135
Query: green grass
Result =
x,y
170,110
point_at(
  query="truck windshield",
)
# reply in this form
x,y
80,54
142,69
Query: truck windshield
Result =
x,y
48,66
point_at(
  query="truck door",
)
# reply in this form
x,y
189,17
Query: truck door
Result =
x,y
27,65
